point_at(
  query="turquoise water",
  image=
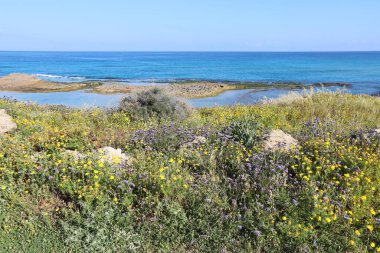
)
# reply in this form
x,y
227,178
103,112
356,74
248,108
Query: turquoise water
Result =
x,y
361,69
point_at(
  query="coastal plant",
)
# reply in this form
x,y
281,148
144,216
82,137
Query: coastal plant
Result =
x,y
248,131
154,102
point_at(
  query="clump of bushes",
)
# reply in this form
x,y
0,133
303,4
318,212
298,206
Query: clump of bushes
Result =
x,y
154,102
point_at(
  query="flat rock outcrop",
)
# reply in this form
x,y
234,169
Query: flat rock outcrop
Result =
x,y
29,83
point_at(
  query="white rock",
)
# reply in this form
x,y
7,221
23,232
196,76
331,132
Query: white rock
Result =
x,y
371,135
278,140
74,154
6,122
113,156
197,140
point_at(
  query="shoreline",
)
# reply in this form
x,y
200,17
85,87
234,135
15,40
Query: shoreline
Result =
x,y
25,83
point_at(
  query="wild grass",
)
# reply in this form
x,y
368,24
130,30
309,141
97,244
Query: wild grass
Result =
x,y
200,184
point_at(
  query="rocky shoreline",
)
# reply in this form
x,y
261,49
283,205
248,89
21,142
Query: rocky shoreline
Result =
x,y
182,88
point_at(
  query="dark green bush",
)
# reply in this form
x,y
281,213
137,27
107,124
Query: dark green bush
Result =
x,y
154,102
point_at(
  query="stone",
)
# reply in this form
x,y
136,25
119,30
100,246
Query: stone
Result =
x,y
197,140
6,122
371,135
113,156
278,140
74,154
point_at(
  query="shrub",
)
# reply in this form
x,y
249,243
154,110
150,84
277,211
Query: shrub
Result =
x,y
165,138
247,131
154,103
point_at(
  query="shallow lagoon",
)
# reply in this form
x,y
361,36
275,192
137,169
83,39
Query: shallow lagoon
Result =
x,y
84,98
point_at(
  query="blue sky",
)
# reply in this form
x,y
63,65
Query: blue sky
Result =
x,y
190,25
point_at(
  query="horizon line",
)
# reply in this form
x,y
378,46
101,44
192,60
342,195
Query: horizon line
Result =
x,y
190,51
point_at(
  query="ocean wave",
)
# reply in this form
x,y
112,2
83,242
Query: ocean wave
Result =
x,y
58,78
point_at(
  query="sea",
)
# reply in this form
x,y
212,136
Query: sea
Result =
x,y
360,69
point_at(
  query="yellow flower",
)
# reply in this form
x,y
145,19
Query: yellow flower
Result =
x,y
352,242
378,249
370,228
357,232
115,200
162,176
283,218
364,197
3,187
328,220
112,177
373,245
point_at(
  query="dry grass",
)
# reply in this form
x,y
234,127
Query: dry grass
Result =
x,y
344,108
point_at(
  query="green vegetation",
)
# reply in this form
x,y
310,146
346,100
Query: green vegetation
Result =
x,y
154,103
201,183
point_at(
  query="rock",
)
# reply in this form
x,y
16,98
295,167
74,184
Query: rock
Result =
x,y
74,154
113,156
278,140
197,140
6,122
371,135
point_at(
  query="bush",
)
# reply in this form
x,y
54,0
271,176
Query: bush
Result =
x,y
247,131
154,103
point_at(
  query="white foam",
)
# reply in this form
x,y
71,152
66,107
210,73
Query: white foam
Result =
x,y
58,78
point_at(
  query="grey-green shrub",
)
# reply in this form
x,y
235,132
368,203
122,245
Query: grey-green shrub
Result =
x,y
154,103
247,131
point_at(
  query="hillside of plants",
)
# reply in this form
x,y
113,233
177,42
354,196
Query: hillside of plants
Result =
x,y
192,180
